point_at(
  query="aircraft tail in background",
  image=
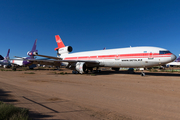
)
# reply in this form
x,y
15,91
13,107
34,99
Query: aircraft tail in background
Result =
x,y
33,52
7,57
178,59
34,46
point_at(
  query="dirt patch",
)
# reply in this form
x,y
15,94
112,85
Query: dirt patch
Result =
x,y
107,95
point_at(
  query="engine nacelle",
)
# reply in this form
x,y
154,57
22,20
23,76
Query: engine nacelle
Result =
x,y
80,67
4,66
7,66
66,49
32,53
6,58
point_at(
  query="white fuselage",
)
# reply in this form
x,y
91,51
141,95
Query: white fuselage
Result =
x,y
173,64
132,57
17,61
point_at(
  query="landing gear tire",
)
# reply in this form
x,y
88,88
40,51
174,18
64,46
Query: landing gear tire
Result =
x,y
14,69
86,71
74,72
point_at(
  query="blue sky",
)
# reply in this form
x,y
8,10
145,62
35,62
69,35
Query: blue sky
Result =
x,y
88,24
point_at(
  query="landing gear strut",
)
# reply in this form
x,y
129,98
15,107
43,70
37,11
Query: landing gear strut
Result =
x,y
142,73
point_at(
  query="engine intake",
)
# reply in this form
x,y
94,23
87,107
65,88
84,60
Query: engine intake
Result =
x,y
81,67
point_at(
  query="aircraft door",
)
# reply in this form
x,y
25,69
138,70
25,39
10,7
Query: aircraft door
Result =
x,y
151,55
117,61
117,57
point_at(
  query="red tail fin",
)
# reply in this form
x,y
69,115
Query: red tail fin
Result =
x,y
59,42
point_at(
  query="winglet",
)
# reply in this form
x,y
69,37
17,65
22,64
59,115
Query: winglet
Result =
x,y
59,42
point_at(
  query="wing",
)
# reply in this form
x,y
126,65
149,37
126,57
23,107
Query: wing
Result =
x,y
51,57
45,62
60,61
69,61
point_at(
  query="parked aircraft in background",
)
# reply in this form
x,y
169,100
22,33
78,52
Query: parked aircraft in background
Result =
x,y
28,61
24,61
132,57
174,63
5,62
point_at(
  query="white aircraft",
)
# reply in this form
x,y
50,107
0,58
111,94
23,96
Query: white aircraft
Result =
x,y
174,63
132,57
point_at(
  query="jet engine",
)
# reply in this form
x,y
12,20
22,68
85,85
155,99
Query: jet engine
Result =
x,y
80,67
7,66
32,53
66,49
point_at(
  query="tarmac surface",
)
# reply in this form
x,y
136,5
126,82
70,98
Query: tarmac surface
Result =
x,y
107,95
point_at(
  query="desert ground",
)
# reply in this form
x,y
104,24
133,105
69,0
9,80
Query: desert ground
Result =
x,y
109,95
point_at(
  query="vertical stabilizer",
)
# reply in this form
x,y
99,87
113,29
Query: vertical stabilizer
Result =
x,y
59,42
178,59
33,52
34,46
7,57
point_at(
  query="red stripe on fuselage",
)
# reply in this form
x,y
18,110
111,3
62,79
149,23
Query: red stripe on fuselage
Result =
x,y
119,56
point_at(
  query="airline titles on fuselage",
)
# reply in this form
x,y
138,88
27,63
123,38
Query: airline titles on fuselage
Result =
x,y
131,60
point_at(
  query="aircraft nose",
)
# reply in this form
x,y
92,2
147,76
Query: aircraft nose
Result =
x,y
173,57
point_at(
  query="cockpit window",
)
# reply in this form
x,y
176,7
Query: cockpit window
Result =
x,y
164,52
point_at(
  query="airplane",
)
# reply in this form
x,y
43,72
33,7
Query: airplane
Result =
x,y
23,61
27,61
132,57
174,63
5,62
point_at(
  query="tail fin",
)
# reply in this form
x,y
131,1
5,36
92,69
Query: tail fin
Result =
x,y
33,52
34,46
8,53
178,59
59,42
7,57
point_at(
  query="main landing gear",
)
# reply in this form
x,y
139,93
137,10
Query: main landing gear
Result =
x,y
142,73
87,71
75,72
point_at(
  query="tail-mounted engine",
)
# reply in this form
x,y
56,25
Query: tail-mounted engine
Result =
x,y
63,50
32,53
